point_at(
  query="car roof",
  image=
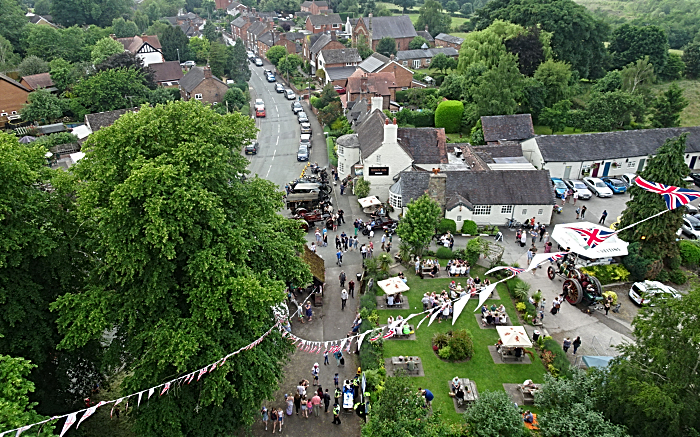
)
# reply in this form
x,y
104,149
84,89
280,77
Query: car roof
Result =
x,y
692,219
655,286
306,124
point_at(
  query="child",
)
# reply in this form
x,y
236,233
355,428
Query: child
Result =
x,y
335,380
314,373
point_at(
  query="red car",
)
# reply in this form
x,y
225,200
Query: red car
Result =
x,y
339,89
260,112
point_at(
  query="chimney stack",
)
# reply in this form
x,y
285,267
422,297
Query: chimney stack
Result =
x,y
377,103
334,37
390,132
437,187
207,72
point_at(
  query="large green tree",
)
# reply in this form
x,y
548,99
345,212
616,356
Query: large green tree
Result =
x,y
494,414
555,77
218,59
691,58
386,46
417,43
405,4
16,410
275,53
33,65
105,48
238,65
174,43
499,89
43,106
529,48
577,37
12,22
129,60
432,16
110,89
630,43
81,12
124,28
190,257
8,57
419,223
611,111
667,108
658,235
654,387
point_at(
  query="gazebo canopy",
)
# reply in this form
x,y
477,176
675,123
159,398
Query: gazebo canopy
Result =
x,y
596,361
393,285
579,242
367,202
514,336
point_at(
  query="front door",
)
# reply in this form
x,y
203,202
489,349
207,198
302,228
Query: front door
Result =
x,y
606,169
640,167
567,172
692,162
594,174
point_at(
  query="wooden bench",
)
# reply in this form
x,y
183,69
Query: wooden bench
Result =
x,y
400,333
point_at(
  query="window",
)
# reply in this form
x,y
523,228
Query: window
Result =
x,y
395,200
336,25
215,103
416,63
427,61
404,88
631,164
459,218
394,111
349,64
379,159
14,112
198,97
317,27
340,150
482,210
540,211
507,209
524,211
405,62
340,167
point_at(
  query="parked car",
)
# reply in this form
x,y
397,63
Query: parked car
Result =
x,y
302,117
339,89
696,178
289,94
306,128
691,209
643,293
305,140
303,153
559,186
188,64
267,71
579,187
260,112
251,55
271,77
259,103
616,185
252,148
258,62
296,107
279,88
691,226
628,179
598,187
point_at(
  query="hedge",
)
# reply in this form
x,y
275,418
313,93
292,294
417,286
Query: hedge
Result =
x,y
424,118
608,274
444,253
332,157
690,253
447,225
469,227
449,115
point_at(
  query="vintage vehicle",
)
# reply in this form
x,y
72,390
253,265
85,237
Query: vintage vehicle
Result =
x,y
380,223
578,286
310,218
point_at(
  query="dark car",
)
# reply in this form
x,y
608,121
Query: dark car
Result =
x,y
252,148
696,178
378,224
303,153
279,88
616,185
271,77
297,108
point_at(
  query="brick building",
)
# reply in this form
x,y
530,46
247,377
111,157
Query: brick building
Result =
x,y
315,8
200,84
378,63
374,29
367,85
445,40
323,23
12,96
313,44
422,57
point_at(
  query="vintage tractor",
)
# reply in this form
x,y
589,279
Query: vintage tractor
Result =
x,y
578,286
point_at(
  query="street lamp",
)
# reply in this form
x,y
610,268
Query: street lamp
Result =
x,y
178,55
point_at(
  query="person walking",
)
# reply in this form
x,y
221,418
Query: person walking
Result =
x,y
289,399
546,238
342,278
357,225
341,217
297,402
566,345
578,212
543,230
325,358
316,402
577,344
314,373
326,400
309,311
603,217
343,298
583,212
325,240
337,242
543,303
265,418
388,247
351,288
530,255
371,234
383,241
339,256
336,414
273,417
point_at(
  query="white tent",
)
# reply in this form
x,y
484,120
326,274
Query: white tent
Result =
x,y
367,202
514,336
579,243
393,285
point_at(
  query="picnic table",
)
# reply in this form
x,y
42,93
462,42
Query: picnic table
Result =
x,y
397,361
529,392
469,389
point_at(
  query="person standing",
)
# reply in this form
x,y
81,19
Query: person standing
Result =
x,y
383,240
388,247
583,212
342,188
341,217
326,400
546,238
297,402
577,344
343,298
606,305
371,234
603,217
523,239
273,417
325,240
342,278
316,402
314,373
567,344
336,414
357,225
264,414
309,311
351,288
530,255
428,396
533,234
543,230
578,212
325,358
575,196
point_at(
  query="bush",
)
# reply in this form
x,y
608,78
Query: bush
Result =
x,y
461,346
520,307
662,276
673,262
417,76
332,153
440,340
690,253
560,366
362,188
469,227
375,380
368,301
608,274
638,265
447,225
445,353
677,277
372,354
449,115
475,248
530,309
444,253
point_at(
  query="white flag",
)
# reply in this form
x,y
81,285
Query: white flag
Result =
x,y
22,429
89,412
139,402
150,392
70,420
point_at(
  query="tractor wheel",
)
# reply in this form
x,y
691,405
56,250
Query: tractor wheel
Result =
x,y
551,273
597,285
304,225
572,288
301,211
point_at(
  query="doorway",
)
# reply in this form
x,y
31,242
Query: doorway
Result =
x,y
692,162
594,173
606,169
640,167
567,172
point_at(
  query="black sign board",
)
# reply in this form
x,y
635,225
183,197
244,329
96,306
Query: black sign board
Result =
x,y
379,171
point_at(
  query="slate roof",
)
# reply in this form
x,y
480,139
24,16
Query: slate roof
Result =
x,y
307,4
37,18
294,36
193,78
449,38
403,55
257,28
339,73
341,56
41,80
320,20
266,38
507,150
370,134
239,22
374,62
319,42
397,26
496,187
103,119
507,127
428,37
169,71
14,82
357,109
612,145
171,20
426,145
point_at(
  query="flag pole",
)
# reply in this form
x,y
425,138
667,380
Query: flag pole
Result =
x,y
641,221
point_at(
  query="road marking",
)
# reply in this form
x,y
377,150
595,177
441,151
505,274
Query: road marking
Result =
x,y
277,109
268,172
273,155
277,142
278,128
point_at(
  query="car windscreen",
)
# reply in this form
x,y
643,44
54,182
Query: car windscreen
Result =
x,y
617,183
559,184
579,185
600,184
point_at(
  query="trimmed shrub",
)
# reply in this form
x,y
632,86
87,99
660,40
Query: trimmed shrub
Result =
x,y
445,353
368,301
444,253
372,355
461,345
638,266
662,276
440,340
449,115
560,366
469,227
608,274
677,277
690,253
447,225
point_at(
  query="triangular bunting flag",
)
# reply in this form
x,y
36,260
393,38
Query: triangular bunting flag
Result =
x,y
115,404
139,402
70,420
22,429
202,372
213,366
150,392
89,412
165,388
349,345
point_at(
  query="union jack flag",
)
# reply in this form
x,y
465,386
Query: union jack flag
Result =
x,y
673,196
557,256
513,270
593,236
376,338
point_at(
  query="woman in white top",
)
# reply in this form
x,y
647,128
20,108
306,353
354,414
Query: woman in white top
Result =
x,y
390,300
462,270
445,313
453,270
389,321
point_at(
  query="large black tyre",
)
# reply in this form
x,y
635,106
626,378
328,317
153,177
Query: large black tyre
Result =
x,y
598,287
551,273
574,293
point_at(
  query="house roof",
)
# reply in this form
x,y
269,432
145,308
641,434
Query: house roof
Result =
x,y
37,18
103,119
426,145
428,37
449,38
36,81
495,187
257,28
370,133
14,82
403,55
267,39
612,145
51,128
506,150
397,26
341,56
321,20
357,108
134,43
171,20
374,62
507,127
339,73
307,4
294,36
319,42
169,71
239,22
379,84
193,78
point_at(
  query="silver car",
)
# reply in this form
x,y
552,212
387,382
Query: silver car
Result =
x,y
691,226
598,187
579,187
302,117
642,293
303,153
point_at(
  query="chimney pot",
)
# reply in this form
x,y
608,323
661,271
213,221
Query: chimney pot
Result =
x,y
386,121
207,72
394,120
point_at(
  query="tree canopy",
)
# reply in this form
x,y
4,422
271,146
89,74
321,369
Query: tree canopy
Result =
x,y
667,108
630,43
432,16
386,46
105,48
419,223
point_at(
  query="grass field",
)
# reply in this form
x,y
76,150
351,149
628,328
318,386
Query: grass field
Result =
x,y
481,368
691,90
414,12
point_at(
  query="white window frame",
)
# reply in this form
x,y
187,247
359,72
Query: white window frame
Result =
x,y
427,61
459,218
405,63
540,211
198,97
482,210
416,63
340,167
395,200
631,164
340,150
336,25
507,209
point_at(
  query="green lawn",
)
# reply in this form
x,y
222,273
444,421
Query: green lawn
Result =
x,y
414,12
481,368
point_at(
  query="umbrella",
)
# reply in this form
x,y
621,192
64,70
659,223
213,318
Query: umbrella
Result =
x,y
393,285
27,139
514,336
596,361
579,244
366,202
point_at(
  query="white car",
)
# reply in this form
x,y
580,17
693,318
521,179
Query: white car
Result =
x,y
691,227
189,64
305,140
598,187
627,178
259,104
642,293
289,94
579,187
